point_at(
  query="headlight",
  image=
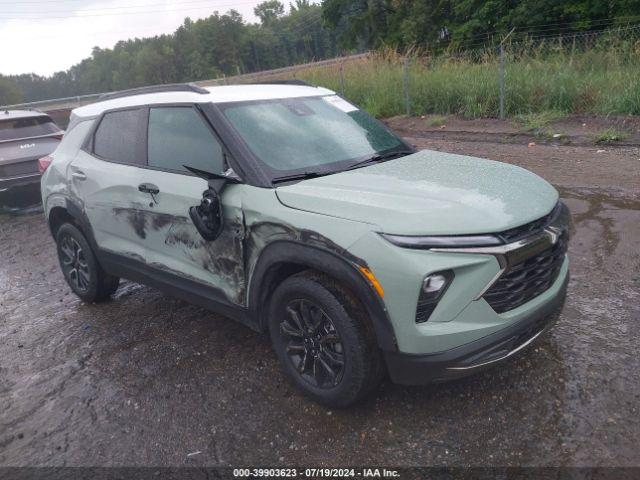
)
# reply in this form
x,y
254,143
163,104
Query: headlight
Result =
x,y
446,241
433,288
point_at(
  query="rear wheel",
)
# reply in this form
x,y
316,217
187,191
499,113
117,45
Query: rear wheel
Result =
x,y
80,268
322,340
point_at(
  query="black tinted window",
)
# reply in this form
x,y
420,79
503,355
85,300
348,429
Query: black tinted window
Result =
x,y
119,137
27,127
178,136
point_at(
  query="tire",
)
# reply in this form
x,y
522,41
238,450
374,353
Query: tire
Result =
x,y
80,267
340,332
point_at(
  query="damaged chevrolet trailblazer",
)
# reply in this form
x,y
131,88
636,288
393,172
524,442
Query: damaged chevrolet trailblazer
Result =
x,y
360,256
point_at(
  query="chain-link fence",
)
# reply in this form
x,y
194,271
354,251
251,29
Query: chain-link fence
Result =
x,y
263,76
593,72
586,72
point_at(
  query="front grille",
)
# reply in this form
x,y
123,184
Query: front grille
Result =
x,y
522,231
528,279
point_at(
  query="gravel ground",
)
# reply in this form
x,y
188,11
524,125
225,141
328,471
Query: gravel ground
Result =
x,y
150,380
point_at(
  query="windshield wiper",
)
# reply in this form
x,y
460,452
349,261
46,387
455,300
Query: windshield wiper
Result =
x,y
298,176
379,157
373,159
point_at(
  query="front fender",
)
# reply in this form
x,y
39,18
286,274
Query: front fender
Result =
x,y
345,270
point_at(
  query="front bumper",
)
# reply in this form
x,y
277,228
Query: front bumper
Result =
x,y
472,357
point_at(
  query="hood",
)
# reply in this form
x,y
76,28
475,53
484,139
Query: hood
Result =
x,y
428,193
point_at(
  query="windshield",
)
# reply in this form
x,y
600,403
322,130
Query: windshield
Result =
x,y
27,127
310,134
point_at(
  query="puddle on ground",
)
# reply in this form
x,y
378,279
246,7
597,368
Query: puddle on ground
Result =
x,y
607,223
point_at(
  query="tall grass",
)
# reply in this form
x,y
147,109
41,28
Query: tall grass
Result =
x,y
604,78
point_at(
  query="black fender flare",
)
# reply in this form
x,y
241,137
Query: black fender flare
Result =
x,y
76,212
325,261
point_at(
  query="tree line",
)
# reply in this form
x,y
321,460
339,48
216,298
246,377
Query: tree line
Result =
x,y
464,24
224,44
221,44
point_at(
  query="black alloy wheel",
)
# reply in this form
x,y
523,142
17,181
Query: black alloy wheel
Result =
x,y
74,264
324,340
80,267
313,344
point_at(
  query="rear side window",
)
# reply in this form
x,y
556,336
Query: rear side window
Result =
x,y
75,136
120,137
178,136
19,128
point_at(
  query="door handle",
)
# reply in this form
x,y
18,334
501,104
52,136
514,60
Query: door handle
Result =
x,y
79,175
148,188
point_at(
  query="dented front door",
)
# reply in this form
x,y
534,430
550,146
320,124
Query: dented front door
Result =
x,y
174,244
179,136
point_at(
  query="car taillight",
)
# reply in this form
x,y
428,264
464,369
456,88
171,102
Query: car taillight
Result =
x,y
43,163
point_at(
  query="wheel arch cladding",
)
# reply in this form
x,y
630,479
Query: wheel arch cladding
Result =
x,y
74,214
284,258
58,216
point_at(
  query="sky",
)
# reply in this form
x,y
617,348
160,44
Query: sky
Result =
x,y
46,36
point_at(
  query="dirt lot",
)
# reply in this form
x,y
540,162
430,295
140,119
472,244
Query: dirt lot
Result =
x,y
149,380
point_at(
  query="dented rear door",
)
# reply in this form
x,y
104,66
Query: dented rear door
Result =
x,y
104,182
110,197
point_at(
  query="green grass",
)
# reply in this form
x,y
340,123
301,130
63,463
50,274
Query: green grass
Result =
x,y
537,122
539,88
610,135
436,121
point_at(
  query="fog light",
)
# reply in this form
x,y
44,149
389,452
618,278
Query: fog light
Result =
x,y
434,283
433,288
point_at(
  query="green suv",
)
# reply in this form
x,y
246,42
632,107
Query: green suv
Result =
x,y
294,212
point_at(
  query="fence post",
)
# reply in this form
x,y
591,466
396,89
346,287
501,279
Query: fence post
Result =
x,y
342,78
502,72
501,80
405,84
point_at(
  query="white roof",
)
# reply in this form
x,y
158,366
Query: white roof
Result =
x,y
12,114
222,94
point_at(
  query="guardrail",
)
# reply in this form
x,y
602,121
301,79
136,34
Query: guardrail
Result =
x,y
68,103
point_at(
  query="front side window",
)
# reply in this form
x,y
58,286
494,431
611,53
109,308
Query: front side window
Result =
x,y
120,138
320,134
178,136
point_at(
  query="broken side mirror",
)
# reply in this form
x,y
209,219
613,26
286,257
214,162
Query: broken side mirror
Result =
x,y
208,217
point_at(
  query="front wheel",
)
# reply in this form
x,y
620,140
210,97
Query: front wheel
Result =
x,y
80,267
323,341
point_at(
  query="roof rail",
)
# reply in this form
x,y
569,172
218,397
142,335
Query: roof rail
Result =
x,y
293,81
171,87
